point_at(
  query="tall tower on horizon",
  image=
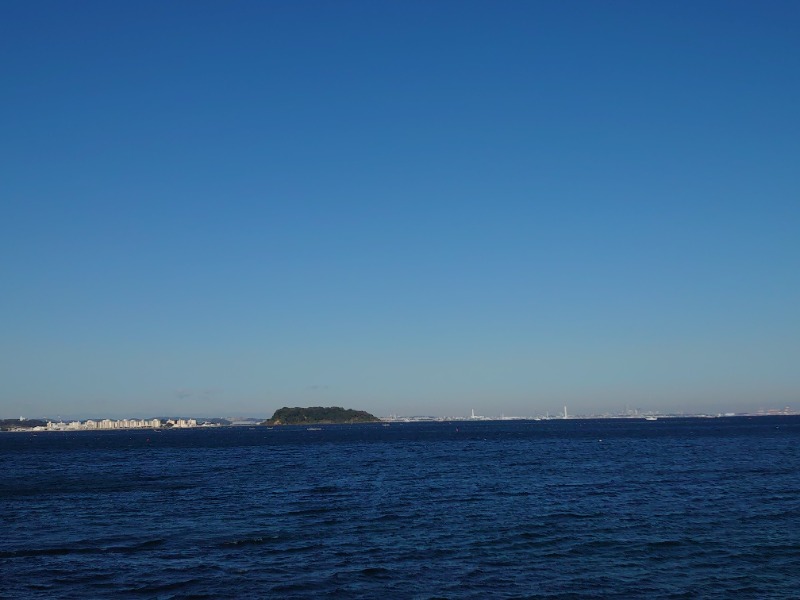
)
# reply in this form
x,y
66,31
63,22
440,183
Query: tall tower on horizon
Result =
x,y
565,412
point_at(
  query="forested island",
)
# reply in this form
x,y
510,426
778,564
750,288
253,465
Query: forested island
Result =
x,y
319,415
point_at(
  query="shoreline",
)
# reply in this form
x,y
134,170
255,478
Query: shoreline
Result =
x,y
404,421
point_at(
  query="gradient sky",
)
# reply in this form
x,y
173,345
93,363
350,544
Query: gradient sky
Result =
x,y
222,208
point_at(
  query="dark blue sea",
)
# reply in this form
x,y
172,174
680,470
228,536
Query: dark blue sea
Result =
x,y
674,508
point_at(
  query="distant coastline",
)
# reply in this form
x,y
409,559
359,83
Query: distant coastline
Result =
x,y
40,425
107,424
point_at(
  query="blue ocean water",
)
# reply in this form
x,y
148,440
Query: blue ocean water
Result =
x,y
674,508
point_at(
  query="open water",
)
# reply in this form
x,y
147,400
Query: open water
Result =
x,y
674,508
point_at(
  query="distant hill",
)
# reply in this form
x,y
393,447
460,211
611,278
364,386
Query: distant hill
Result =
x,y
6,424
319,415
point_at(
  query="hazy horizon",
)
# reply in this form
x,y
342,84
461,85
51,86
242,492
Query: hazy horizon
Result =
x,y
407,208
496,412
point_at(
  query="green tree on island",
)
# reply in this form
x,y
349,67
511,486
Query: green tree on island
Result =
x,y
319,415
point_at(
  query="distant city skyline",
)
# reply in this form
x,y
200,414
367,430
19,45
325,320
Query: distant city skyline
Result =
x,y
142,420
404,208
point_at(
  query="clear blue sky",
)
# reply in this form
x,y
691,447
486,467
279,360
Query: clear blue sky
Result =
x,y
221,208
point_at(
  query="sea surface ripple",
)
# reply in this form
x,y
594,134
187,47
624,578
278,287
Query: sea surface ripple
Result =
x,y
674,508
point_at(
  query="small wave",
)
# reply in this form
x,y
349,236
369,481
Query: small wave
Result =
x,y
376,572
664,544
163,587
251,541
309,512
283,589
61,551
386,517
41,552
571,515
325,489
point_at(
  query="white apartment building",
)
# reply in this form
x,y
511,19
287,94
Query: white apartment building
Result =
x,y
91,424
